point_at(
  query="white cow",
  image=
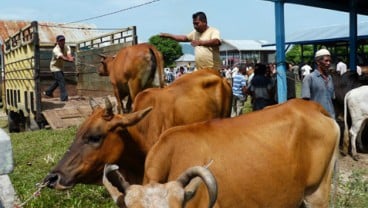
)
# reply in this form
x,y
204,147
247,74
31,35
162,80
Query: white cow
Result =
x,y
356,101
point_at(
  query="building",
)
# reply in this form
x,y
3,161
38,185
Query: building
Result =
x,y
187,60
250,51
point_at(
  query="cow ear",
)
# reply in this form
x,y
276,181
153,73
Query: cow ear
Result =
x,y
135,117
108,109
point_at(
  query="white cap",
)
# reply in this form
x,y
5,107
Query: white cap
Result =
x,y
322,52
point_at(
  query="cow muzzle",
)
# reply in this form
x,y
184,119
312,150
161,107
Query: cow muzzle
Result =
x,y
53,181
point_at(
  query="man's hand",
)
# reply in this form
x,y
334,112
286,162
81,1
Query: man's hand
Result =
x,y
164,35
70,58
195,43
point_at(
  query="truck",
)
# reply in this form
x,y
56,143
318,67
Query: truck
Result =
x,y
26,74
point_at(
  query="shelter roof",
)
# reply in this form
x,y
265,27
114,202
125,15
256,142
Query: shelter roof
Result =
x,y
339,5
325,34
246,45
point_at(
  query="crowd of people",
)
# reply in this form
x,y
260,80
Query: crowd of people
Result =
x,y
258,82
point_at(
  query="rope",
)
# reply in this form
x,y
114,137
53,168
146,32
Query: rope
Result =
x,y
35,194
90,65
78,64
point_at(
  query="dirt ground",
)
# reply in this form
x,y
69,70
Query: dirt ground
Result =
x,y
346,166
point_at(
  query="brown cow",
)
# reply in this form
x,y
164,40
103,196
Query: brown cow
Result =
x,y
276,157
172,194
133,69
124,140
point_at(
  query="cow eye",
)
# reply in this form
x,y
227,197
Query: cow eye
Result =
x,y
94,138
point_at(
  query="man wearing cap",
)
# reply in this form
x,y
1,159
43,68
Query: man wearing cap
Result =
x,y
318,85
60,53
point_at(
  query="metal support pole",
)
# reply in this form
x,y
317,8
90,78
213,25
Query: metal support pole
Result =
x,y
353,36
280,51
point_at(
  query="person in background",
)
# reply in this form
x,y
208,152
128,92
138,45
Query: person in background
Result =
x,y
341,67
250,75
359,70
170,75
260,88
318,86
228,75
306,69
290,81
60,54
180,73
295,70
239,97
206,41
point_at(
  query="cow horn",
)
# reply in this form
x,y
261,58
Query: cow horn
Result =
x,y
102,55
115,184
108,107
92,102
190,176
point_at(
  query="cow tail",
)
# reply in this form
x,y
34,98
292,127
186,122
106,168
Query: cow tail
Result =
x,y
345,147
335,163
157,68
153,64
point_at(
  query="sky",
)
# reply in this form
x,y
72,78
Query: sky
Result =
x,y
236,19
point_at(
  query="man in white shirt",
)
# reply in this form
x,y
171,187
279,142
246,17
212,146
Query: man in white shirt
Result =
x,y
306,69
341,67
60,54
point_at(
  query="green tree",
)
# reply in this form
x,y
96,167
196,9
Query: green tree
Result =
x,y
295,54
170,49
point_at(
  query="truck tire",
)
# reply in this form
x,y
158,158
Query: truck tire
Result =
x,y
14,122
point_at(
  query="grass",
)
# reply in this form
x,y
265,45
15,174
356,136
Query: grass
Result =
x,y
35,153
354,192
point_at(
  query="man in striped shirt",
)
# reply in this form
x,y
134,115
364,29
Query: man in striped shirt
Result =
x,y
239,98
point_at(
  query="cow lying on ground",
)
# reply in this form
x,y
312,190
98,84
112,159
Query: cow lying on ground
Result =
x,y
277,157
155,195
356,105
133,69
105,137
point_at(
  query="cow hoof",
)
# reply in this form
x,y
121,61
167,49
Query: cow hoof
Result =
x,y
343,153
356,157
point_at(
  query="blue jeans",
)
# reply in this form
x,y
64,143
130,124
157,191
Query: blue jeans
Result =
x,y
59,82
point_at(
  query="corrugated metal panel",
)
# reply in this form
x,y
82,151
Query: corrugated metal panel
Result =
x,y
246,45
10,27
325,34
339,5
72,32
48,31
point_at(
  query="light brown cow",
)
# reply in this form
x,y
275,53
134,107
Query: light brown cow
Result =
x,y
133,69
172,194
277,157
124,140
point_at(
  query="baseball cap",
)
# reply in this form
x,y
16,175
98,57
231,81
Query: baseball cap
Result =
x,y
322,52
60,37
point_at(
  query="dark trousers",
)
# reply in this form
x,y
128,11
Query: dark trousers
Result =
x,y
59,82
260,103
